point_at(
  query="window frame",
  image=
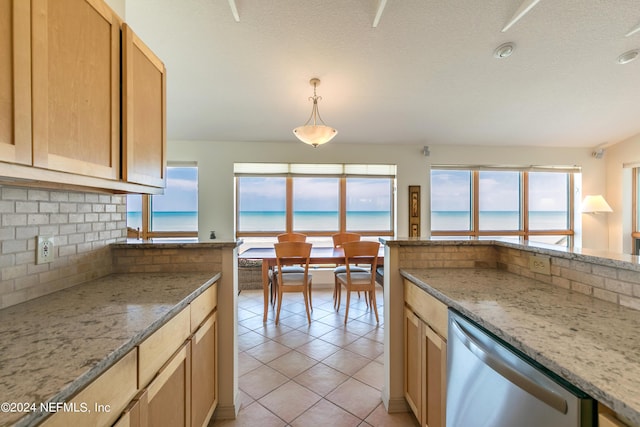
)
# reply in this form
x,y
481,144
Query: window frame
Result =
x,y
342,206
523,232
635,229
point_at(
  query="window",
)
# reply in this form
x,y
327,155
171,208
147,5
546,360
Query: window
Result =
x,y
316,204
499,200
369,202
531,205
451,200
261,203
318,200
172,214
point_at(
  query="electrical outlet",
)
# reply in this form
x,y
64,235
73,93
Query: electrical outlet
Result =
x,y
44,249
540,264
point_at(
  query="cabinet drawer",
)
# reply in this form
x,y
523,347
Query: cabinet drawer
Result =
x,y
203,305
158,348
115,387
428,308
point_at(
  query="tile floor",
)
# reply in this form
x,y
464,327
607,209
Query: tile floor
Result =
x,y
322,374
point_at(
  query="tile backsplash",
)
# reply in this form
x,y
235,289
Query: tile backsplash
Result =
x,y
83,225
617,285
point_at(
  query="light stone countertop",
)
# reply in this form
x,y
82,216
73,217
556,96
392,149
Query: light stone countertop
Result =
x,y
53,346
593,344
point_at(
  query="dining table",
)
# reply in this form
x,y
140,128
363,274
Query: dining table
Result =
x,y
319,255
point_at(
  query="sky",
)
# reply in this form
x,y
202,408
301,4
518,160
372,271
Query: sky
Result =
x,y
314,194
181,194
499,191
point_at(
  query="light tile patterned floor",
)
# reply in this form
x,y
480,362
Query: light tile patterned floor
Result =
x,y
301,375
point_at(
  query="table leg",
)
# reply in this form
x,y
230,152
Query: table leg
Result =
x,y
265,288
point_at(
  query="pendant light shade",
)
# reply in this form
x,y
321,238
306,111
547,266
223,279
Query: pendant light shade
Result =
x,y
315,132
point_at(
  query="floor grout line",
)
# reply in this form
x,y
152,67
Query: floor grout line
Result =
x,y
327,329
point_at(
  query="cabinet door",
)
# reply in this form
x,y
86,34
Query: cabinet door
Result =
x,y
168,395
76,87
204,372
131,417
144,113
15,81
435,392
413,378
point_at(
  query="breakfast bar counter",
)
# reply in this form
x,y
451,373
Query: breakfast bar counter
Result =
x,y
53,346
591,343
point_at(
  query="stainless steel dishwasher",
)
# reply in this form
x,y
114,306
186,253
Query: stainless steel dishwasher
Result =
x,y
491,384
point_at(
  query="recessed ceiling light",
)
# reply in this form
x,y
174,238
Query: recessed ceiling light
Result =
x,y
504,50
627,57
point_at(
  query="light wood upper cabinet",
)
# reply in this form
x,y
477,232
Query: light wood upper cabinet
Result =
x,y
144,113
76,87
15,81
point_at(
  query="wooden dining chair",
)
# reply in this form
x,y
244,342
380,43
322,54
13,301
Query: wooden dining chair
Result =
x,y
292,237
360,253
285,237
338,240
290,254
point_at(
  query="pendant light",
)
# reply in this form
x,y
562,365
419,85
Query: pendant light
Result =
x,y
315,132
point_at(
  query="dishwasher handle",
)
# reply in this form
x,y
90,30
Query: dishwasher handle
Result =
x,y
492,360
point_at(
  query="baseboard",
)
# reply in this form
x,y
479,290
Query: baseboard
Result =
x,y
225,413
394,406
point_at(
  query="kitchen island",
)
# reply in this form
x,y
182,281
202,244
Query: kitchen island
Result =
x,y
593,344
53,346
592,341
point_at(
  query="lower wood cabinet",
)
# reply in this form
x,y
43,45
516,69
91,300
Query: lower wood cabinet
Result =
x,y
102,401
168,395
425,357
170,379
165,401
204,371
183,392
607,418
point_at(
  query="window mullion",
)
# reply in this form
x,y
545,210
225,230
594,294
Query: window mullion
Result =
x,y
524,203
146,216
289,204
475,201
343,204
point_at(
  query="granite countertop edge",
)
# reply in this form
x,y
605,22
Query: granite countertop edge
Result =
x,y
604,258
176,244
110,359
631,415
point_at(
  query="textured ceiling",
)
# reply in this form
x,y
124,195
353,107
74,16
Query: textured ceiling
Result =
x,y
426,74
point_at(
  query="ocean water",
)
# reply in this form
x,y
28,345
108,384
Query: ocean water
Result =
x,y
166,221
367,220
320,221
498,220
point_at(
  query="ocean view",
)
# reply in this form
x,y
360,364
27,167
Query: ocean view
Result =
x,y
359,220
166,221
498,220
320,221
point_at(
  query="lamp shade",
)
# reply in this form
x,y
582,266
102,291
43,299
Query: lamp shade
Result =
x,y
595,204
315,134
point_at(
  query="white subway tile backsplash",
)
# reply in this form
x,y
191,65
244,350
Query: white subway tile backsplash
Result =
x,y
82,224
38,194
26,207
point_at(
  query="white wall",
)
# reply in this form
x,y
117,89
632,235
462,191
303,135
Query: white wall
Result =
x,y
618,194
118,7
216,185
